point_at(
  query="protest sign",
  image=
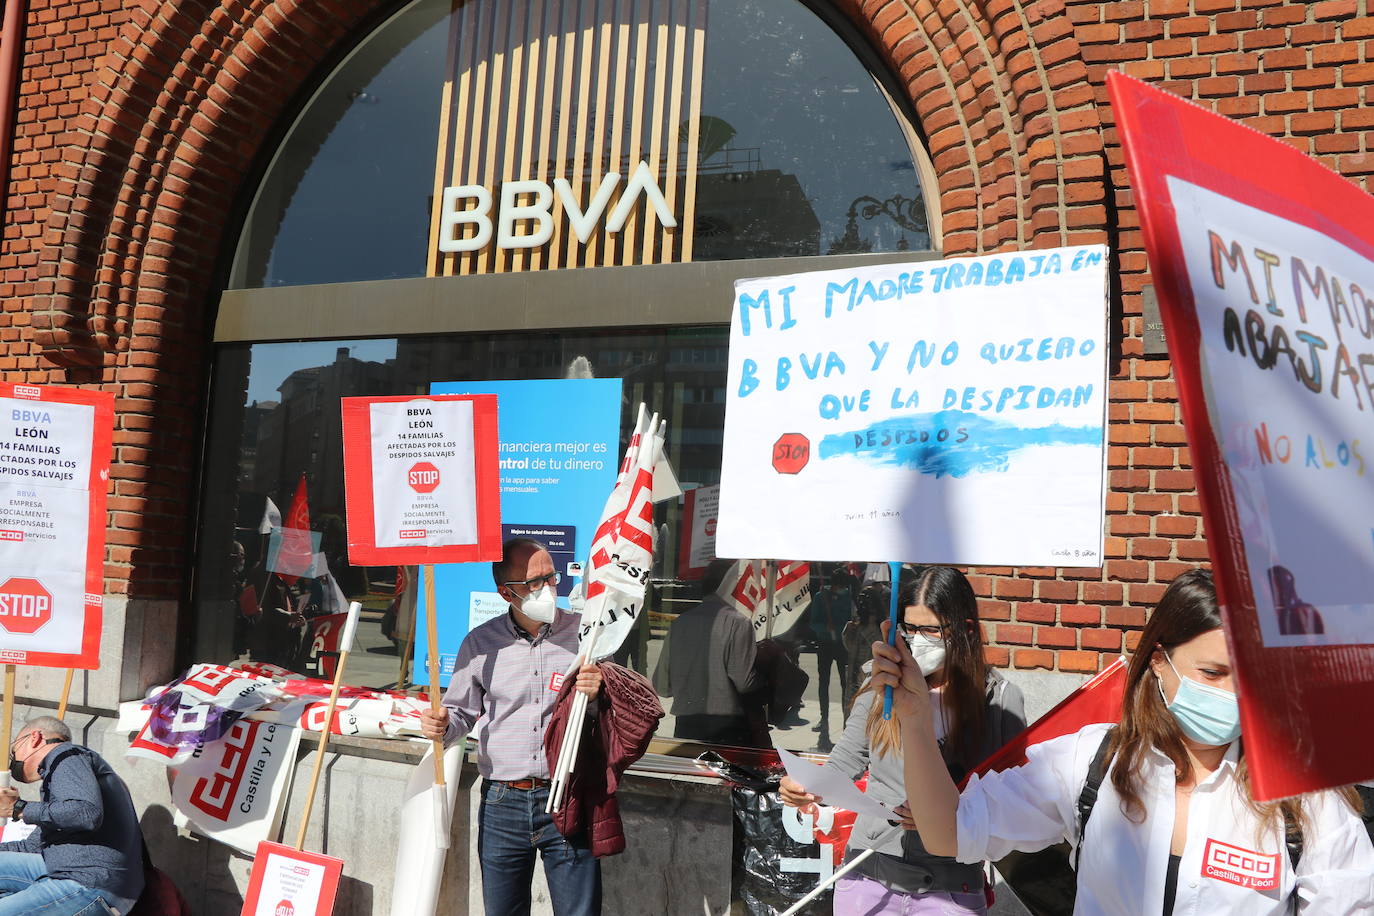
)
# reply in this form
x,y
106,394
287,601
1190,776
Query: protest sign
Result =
x,y
290,882
54,470
232,789
559,443
697,544
420,480
947,412
1258,253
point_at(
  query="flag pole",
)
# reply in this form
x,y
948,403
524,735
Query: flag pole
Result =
x,y
432,632
894,574
770,587
345,646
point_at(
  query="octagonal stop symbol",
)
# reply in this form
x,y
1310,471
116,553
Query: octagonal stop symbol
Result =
x,y
791,453
25,605
423,477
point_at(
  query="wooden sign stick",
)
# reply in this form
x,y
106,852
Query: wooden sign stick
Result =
x,y
66,694
345,646
436,704
7,723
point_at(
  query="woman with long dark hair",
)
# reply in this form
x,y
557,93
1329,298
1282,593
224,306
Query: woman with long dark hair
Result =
x,y
978,712
1175,828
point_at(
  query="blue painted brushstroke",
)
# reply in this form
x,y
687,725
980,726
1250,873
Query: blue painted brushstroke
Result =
x,y
987,445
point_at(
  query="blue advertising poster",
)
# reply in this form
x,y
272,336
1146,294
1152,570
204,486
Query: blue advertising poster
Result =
x,y
560,448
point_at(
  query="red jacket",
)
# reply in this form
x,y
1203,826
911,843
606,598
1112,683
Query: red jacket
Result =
x,y
627,713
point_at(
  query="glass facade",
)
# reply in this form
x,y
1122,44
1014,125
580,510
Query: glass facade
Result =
x,y
799,154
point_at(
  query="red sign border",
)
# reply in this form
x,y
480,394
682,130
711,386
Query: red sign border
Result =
x,y
102,445
357,450
328,888
1293,704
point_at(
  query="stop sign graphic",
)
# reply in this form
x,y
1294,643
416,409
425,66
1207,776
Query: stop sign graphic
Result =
x,y
25,605
423,477
790,453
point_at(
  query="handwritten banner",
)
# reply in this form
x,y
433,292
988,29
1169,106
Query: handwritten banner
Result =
x,y
947,411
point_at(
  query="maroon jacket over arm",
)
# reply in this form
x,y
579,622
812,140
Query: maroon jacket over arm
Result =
x,y
627,714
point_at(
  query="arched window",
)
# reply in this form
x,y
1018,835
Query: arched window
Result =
x,y
416,225
764,130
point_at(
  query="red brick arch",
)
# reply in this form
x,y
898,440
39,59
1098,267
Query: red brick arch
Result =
x,y
1002,93
187,95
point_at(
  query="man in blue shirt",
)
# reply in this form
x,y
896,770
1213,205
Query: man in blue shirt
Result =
x,y
86,856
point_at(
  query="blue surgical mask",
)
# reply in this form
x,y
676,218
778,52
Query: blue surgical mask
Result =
x,y
1208,715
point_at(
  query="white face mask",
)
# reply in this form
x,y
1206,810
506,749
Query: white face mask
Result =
x,y
929,654
540,606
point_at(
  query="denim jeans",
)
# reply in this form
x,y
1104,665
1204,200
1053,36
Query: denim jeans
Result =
x,y
26,888
512,827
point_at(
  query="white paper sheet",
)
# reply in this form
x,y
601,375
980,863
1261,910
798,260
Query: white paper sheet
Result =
x,y
833,786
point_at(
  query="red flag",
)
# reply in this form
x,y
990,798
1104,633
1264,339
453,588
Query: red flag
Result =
x,y
297,549
1099,700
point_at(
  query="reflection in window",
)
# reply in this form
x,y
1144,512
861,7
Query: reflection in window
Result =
x,y
797,150
275,436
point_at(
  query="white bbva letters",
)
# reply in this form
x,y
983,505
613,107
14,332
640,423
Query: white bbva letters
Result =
x,y
539,211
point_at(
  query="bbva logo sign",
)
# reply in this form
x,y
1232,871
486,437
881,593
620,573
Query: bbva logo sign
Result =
x,y
456,214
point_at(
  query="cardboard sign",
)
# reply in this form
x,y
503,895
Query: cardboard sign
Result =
x,y
420,475
559,447
940,411
1258,254
54,471
291,882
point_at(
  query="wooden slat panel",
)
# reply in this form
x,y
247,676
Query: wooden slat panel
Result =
x,y
657,117
448,126
574,89
689,193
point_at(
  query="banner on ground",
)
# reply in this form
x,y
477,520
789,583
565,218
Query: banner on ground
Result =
x,y
559,443
942,411
54,472
231,789
1262,257
420,475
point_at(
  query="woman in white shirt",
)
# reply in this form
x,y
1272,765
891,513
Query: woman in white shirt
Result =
x,y
1175,829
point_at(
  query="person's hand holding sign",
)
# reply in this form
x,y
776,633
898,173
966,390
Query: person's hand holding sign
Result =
x,y
894,667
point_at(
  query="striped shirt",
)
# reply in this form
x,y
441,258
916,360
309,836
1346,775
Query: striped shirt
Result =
x,y
505,683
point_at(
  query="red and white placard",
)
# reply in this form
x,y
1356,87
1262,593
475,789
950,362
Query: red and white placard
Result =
x,y
54,470
291,882
697,546
421,475
1258,253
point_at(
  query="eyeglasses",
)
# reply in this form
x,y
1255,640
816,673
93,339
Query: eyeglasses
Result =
x,y
552,578
912,629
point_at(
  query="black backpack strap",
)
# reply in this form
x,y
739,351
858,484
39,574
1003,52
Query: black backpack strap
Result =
x,y
1292,838
1097,771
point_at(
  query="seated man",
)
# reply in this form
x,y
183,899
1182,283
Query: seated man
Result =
x,y
86,855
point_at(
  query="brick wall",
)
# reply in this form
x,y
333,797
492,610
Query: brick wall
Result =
x,y
138,122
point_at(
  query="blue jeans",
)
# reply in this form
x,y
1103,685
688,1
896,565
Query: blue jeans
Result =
x,y
26,888
512,827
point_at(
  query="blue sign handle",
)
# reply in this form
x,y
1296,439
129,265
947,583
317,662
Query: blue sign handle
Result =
x,y
895,572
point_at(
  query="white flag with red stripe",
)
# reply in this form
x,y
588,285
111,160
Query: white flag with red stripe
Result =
x,y
745,588
623,548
